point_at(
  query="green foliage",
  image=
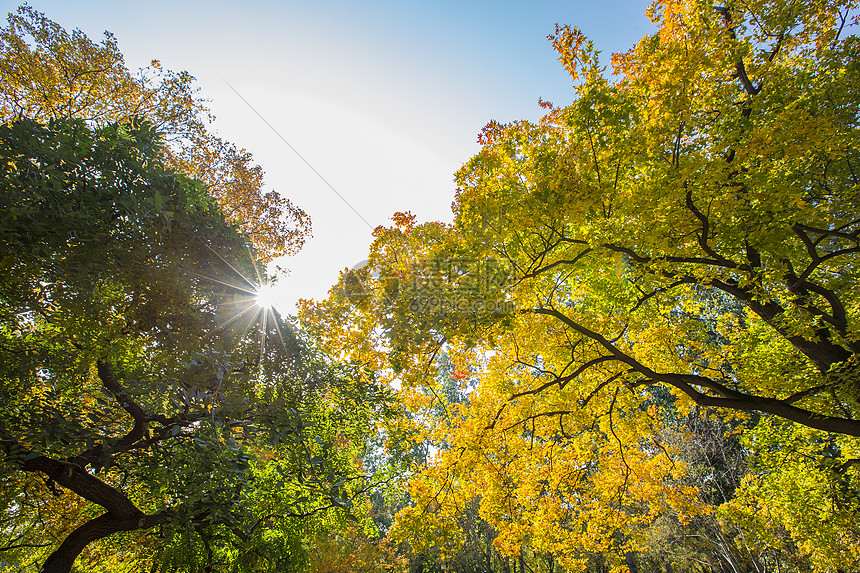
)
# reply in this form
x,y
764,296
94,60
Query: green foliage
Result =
x,y
49,73
141,388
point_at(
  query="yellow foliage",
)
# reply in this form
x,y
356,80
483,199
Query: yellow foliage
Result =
x,y
682,237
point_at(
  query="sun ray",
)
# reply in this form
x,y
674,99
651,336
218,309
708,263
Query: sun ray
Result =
x,y
250,308
280,334
226,262
256,268
231,285
257,308
265,317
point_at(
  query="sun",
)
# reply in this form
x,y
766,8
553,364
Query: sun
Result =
x,y
266,296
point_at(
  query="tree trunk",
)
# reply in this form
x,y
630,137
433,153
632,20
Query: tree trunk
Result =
x,y
630,561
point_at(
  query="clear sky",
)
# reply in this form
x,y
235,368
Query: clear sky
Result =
x,y
383,98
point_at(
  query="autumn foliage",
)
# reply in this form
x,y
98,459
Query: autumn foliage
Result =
x,y
636,348
48,73
683,242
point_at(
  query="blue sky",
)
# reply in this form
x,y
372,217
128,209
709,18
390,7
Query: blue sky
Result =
x,y
383,98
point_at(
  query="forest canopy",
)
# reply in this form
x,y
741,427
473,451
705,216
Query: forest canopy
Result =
x,y
634,349
670,350
143,390
49,73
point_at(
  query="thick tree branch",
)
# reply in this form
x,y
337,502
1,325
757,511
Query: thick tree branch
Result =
x,y
94,456
726,398
134,439
837,318
71,477
773,406
107,524
822,353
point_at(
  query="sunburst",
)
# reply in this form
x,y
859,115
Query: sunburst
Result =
x,y
258,306
266,296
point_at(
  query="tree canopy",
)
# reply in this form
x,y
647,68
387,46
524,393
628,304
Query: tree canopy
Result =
x,y
154,415
680,243
143,390
48,72
635,347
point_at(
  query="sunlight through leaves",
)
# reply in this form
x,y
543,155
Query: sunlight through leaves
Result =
x,y
266,296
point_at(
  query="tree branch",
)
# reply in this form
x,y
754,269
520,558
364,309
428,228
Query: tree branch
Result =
x,y
554,264
133,440
562,381
726,398
740,69
61,560
72,477
94,456
535,416
822,353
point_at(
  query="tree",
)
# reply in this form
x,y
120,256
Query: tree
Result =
x,y
143,393
50,73
687,226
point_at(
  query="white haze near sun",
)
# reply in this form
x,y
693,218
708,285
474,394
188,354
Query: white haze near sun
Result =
x,y
384,99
